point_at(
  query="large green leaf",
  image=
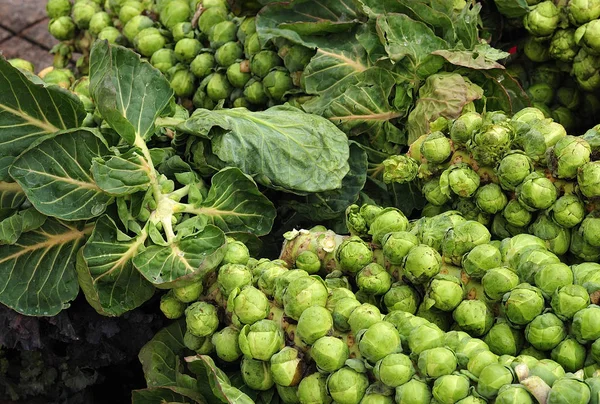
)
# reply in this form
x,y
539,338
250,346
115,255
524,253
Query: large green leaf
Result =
x,y
105,270
234,204
183,261
163,395
128,92
123,174
18,223
55,175
37,273
29,112
281,147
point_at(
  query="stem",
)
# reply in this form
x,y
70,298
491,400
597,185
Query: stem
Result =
x,y
167,122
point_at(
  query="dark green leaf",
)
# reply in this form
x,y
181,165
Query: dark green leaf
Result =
x,y
122,174
20,222
29,112
512,8
55,175
281,147
105,270
37,273
128,92
167,394
11,195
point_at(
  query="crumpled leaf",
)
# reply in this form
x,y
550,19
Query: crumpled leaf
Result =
x,y
482,57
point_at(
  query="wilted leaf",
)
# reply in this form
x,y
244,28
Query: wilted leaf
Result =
x,y
483,57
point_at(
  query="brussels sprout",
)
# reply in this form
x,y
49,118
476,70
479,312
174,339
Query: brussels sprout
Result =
x,y
433,192
313,389
182,30
287,367
187,49
588,179
445,292
288,395
536,192
210,17
569,300
569,153
62,28
564,117
422,263
182,82
539,137
587,275
513,169
490,145
252,45
468,348
201,100
522,304
541,93
227,54
174,12
547,370
425,336
130,9
236,253
396,246
590,229
249,305
557,238
99,21
374,279
498,281
490,198
469,210
461,179
394,370
61,77
221,33
568,211
112,35
353,254
341,313
347,386
189,293
329,353
570,354
462,239
241,102
373,397
314,322
516,214
218,88
580,249
436,148
256,374
479,360
442,319
436,362
474,317
586,324
58,8
309,262
277,83
504,340
378,340
586,36
171,307
552,277
232,276
163,60
569,390
247,28
267,278
400,169
226,344
303,293
449,389
261,340
255,92
582,11
481,259
236,76
513,394
464,127
202,65
545,332
361,317
492,378
195,343
536,50
569,97
563,46
413,392
82,13
201,319
148,41
593,383
387,221
585,70
262,62
542,19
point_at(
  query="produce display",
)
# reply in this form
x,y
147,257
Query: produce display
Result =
x,y
348,202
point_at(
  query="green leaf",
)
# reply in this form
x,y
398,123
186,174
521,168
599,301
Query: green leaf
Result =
x,y
129,93
183,261
444,94
167,394
483,57
502,92
122,174
512,8
281,147
219,382
20,222
160,357
11,195
105,270
37,273
234,204
55,175
29,112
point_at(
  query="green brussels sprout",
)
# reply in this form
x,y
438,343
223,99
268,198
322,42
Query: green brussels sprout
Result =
x,y
236,253
536,50
262,62
227,54
569,300
551,277
547,370
314,322
492,378
342,311
541,93
182,30
459,179
313,389
524,359
303,293
449,389
255,93
422,263
163,60
490,198
201,100
474,317
99,21
396,246
545,332
453,338
471,400
241,102
210,17
580,249
387,221
201,319
569,153
249,305
564,117
436,362
130,9
171,307
586,324
569,390
400,169
582,11
309,262
569,97
440,318
469,210
563,46
498,281
588,179
585,70
593,383
261,340
538,137
490,145
425,336
467,348
22,64
513,394
542,19
436,148
195,343
232,276
465,127
226,344
522,304
218,88
287,395
433,192
282,282
202,65
247,28
362,317
267,278
62,28
182,81
256,374
557,238
568,211
174,12
480,259
347,386
112,35
187,49
394,370
189,293
148,41
512,248
277,83
513,169
536,192
413,392
586,36
287,367
379,340
329,353
595,351
516,214
504,340
445,292
236,76
462,239
374,279
479,360
590,228
82,13
252,45
353,254
58,8
570,354
221,33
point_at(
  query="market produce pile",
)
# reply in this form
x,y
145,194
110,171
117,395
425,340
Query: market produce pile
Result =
x,y
443,155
